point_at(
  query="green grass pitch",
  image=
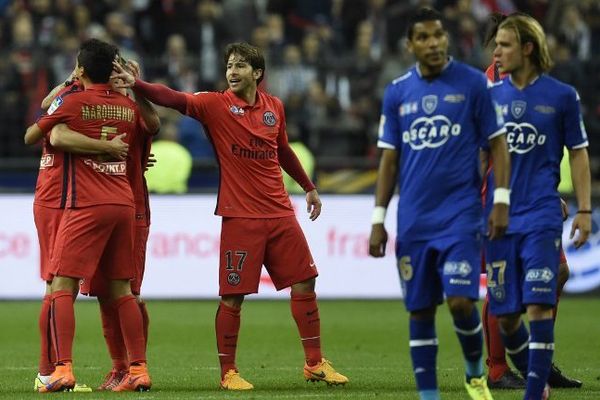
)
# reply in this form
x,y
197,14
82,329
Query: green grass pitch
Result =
x,y
366,340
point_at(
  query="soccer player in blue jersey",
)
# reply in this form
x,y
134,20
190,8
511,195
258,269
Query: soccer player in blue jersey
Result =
x,y
434,119
542,115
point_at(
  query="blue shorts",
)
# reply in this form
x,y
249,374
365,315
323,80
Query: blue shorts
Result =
x,y
522,269
430,269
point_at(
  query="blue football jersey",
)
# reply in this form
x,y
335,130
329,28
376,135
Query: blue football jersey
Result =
x,y
437,127
540,120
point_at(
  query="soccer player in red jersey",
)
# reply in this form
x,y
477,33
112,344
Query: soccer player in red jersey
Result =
x,y
49,204
500,375
97,227
98,285
247,129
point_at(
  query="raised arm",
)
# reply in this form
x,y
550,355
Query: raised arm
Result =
x,y
147,111
68,140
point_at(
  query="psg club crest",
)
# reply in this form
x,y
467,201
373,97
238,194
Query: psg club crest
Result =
x,y
233,278
269,118
429,103
517,108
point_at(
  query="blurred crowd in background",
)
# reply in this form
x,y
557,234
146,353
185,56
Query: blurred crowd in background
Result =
x,y
328,60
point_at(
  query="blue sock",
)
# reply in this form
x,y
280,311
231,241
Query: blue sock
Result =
x,y
517,348
423,351
469,332
541,349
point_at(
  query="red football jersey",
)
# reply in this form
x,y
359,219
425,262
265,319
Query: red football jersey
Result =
x,y
245,139
101,113
51,186
139,151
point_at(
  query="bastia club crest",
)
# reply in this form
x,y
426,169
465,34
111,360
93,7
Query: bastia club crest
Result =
x,y
517,108
429,103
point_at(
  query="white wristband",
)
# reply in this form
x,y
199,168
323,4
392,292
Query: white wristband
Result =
x,y
378,216
502,196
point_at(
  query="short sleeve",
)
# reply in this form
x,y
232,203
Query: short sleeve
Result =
x,y
197,105
489,119
572,122
62,110
389,135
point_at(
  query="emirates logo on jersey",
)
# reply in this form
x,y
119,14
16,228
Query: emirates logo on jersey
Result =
x,y
269,118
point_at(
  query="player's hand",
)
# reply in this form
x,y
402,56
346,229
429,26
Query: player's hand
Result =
x,y
134,68
127,80
313,204
117,148
151,161
564,209
498,221
377,240
583,224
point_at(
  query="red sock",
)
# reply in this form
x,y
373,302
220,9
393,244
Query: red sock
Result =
x,y
227,327
132,328
306,314
496,360
111,328
47,353
145,319
62,320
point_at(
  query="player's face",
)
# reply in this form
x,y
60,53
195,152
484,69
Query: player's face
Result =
x,y
429,44
240,75
508,54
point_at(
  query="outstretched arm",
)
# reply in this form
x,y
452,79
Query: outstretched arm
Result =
x,y
156,93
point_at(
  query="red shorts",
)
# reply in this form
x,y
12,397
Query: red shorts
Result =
x,y
47,221
98,285
249,243
96,237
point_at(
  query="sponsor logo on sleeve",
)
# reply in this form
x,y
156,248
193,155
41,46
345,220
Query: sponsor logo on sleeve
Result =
x,y
55,104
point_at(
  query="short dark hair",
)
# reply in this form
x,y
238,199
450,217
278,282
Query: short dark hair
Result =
x,y
251,54
96,57
422,15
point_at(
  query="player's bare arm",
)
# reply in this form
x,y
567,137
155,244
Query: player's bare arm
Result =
x,y
498,221
384,190
484,161
313,204
580,173
68,140
33,135
147,111
50,97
